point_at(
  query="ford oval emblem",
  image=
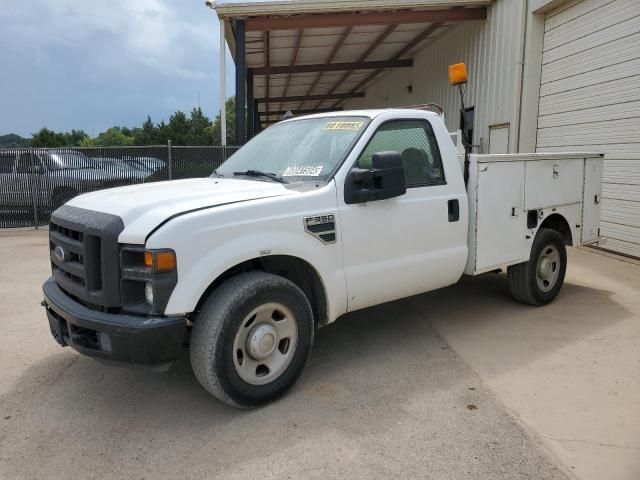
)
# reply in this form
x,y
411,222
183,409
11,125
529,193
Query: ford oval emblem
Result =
x,y
59,253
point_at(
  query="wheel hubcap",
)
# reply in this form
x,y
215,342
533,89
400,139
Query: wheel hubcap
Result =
x,y
548,268
262,341
265,343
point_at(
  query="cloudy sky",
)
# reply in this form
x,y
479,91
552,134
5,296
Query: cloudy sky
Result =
x,y
94,64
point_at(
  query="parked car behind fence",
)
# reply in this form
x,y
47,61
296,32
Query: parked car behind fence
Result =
x,y
120,168
34,182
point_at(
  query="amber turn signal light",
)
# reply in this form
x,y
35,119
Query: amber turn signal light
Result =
x,y
161,260
458,74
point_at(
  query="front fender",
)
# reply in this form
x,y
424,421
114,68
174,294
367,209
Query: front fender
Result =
x,y
209,243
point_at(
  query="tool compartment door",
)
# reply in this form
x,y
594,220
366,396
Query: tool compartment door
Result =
x,y
592,201
501,219
553,182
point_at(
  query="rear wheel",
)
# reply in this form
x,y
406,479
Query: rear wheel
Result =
x,y
538,281
252,339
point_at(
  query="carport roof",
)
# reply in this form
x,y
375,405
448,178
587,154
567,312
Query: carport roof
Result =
x,y
311,55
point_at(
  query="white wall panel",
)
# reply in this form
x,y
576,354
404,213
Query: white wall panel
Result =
x,y
590,100
608,22
600,57
586,136
616,92
623,70
609,112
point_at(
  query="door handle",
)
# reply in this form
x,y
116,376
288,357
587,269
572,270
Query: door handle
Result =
x,y
454,210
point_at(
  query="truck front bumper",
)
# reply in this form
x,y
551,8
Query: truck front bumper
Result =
x,y
120,337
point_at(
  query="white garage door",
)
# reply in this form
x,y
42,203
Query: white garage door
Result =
x,y
590,100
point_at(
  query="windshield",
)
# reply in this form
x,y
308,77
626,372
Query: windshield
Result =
x,y
308,149
67,160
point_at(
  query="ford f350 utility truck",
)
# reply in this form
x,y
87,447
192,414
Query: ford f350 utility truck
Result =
x,y
313,218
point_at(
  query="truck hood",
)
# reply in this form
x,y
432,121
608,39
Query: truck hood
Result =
x,y
144,207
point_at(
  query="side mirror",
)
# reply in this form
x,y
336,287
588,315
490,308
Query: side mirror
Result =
x,y
384,180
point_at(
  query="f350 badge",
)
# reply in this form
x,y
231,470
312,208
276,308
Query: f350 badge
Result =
x,y
323,227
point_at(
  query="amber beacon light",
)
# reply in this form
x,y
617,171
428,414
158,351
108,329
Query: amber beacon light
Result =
x,y
458,74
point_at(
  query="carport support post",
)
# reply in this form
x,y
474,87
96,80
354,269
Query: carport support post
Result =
x,y
256,117
241,82
223,85
250,105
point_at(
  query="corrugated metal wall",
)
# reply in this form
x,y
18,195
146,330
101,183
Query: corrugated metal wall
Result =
x,y
492,52
590,100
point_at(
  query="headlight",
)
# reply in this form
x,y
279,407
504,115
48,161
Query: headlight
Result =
x,y
148,278
148,293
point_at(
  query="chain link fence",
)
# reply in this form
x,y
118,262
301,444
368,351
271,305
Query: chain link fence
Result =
x,y
36,181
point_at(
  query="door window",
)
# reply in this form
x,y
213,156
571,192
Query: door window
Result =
x,y
416,143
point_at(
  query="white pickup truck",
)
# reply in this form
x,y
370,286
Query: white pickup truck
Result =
x,y
315,217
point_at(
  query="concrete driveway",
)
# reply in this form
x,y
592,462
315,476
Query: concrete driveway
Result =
x,y
569,371
456,384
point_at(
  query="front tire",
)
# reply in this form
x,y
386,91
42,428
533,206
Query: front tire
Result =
x,y
538,281
252,339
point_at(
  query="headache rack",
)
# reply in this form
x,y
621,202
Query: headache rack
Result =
x,y
428,107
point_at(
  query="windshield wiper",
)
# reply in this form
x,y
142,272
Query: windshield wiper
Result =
x,y
258,173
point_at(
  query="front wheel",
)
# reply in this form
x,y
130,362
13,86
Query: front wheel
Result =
x,y
252,339
538,281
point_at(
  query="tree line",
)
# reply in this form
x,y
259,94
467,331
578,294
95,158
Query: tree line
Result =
x,y
182,129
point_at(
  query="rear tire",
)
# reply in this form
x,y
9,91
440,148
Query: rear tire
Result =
x,y
538,281
252,339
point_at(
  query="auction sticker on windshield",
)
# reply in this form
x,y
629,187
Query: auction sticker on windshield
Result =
x,y
352,126
302,171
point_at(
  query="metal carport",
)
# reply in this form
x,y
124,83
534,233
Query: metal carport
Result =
x,y
308,56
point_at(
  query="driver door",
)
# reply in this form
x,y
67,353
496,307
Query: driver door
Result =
x,y
410,244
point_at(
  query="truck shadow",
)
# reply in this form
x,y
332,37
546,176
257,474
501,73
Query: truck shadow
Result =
x,y
479,317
